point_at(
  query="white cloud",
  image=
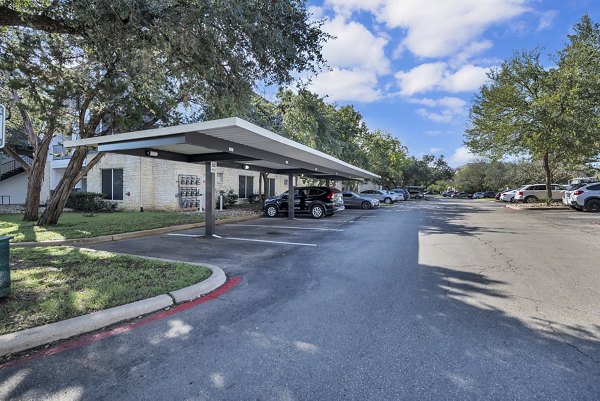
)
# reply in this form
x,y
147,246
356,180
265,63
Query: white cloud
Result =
x,y
438,76
354,46
357,59
461,156
349,85
437,29
445,110
435,150
547,19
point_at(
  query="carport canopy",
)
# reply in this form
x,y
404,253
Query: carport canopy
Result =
x,y
231,142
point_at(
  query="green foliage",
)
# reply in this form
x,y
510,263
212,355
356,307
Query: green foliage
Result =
x,y
229,198
90,202
548,114
426,171
96,67
50,284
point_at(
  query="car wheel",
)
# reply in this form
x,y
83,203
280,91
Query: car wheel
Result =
x,y
271,211
531,199
365,205
593,205
317,211
387,201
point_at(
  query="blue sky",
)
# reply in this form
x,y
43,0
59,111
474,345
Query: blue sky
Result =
x,y
411,67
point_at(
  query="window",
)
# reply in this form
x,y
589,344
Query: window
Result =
x,y
219,178
112,184
285,182
83,183
594,187
246,186
271,183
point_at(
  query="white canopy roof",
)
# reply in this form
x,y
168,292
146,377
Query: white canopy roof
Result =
x,y
232,142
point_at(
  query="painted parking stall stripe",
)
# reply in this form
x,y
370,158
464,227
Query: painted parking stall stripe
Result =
x,y
292,227
268,242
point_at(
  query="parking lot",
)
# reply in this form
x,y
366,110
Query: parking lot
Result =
x,y
413,301
253,241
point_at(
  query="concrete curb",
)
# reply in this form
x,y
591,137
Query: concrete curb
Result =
x,y
130,235
36,336
551,208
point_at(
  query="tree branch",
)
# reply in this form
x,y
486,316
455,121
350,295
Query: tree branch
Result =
x,y
17,157
85,170
10,17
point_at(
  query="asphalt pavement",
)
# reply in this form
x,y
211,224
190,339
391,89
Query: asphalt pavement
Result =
x,y
431,300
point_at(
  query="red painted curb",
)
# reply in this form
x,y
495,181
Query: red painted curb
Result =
x,y
125,327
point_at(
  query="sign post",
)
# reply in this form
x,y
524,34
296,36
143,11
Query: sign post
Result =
x,y
2,129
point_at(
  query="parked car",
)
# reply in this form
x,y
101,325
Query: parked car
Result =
x,y
403,192
354,200
379,194
534,192
484,194
447,194
566,198
416,192
463,195
508,196
477,195
395,195
317,201
587,197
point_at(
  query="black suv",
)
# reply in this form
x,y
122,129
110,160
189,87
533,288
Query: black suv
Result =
x,y
318,201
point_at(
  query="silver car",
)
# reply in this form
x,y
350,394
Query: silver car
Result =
x,y
587,198
354,200
380,195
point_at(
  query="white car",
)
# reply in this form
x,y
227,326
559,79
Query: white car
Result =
x,y
534,192
587,198
508,196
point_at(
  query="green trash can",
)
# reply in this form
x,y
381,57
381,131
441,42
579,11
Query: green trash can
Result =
x,y
4,266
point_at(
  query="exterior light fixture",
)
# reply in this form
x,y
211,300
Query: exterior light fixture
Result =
x,y
151,153
246,167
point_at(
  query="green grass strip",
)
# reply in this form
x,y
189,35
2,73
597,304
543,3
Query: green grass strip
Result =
x,y
72,225
50,284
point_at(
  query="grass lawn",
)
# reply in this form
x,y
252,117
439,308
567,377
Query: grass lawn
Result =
x,y
73,225
50,284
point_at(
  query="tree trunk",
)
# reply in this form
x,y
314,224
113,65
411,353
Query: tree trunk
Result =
x,y
548,179
35,178
57,202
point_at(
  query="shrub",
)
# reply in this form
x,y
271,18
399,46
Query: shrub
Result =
x,y
229,198
89,202
254,198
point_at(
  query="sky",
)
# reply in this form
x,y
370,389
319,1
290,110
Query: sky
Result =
x,y
412,67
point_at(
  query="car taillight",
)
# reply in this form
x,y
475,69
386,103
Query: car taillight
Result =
x,y
330,195
577,193
520,193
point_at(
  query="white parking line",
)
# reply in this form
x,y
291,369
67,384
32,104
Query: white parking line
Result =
x,y
270,242
295,228
187,235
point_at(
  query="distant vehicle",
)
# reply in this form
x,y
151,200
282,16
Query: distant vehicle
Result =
x,y
583,180
317,201
416,191
354,200
534,192
486,194
587,198
463,195
403,192
566,198
380,195
447,194
477,195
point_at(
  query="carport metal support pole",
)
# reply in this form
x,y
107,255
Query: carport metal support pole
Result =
x,y
209,197
291,196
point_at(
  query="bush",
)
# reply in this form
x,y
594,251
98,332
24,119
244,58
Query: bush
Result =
x,y
254,198
89,202
229,198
